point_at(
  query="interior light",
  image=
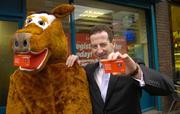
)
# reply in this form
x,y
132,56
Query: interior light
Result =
x,y
91,13
84,11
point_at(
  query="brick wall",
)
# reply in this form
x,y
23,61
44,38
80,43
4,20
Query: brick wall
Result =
x,y
164,38
164,45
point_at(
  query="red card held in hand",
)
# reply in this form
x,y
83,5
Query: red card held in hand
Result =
x,y
114,66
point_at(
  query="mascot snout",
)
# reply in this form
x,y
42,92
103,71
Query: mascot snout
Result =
x,y
21,42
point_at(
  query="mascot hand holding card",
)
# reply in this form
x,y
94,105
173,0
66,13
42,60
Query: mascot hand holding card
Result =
x,y
43,84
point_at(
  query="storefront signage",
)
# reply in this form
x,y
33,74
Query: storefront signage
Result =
x,y
83,47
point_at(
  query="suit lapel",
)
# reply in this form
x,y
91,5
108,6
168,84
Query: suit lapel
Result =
x,y
95,91
112,82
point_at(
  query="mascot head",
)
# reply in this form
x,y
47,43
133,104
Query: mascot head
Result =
x,y
42,40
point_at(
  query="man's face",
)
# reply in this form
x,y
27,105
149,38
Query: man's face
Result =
x,y
100,45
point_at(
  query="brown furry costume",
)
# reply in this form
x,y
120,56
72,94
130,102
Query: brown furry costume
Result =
x,y
52,87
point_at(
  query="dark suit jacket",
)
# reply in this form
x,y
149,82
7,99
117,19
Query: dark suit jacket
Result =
x,y
124,93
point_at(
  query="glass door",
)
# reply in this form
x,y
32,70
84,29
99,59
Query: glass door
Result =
x,y
7,29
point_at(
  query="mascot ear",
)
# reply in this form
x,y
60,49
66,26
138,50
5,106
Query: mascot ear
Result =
x,y
63,10
31,12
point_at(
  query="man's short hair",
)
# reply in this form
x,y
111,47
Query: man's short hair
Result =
x,y
100,28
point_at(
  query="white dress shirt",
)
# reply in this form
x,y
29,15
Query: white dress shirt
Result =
x,y
103,86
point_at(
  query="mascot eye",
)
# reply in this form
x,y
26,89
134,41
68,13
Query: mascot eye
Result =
x,y
42,23
28,20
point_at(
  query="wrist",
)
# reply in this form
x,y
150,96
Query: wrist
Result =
x,y
134,72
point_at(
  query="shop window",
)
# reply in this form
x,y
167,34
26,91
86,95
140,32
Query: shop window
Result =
x,y
127,23
175,19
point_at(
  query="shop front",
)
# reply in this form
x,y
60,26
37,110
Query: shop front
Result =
x,y
133,24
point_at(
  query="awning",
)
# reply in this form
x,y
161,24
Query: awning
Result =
x,y
178,1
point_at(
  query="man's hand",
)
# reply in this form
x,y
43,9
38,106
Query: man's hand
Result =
x,y
130,65
71,60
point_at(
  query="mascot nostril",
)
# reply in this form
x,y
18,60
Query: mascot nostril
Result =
x,y
16,43
43,84
25,43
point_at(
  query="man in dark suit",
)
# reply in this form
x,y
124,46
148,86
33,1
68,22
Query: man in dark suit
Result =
x,y
119,93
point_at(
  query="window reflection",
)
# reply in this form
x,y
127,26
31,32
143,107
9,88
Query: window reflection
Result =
x,y
128,25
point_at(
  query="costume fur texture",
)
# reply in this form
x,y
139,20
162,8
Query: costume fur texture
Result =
x,y
53,88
